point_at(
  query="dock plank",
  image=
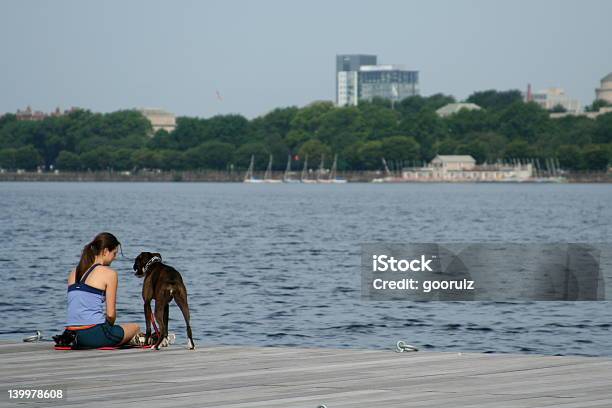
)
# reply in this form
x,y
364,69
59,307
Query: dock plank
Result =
x,y
250,377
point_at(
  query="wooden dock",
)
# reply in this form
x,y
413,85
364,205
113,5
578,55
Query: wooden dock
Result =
x,y
244,377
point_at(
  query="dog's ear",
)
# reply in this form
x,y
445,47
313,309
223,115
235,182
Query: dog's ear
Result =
x,y
139,263
136,262
157,254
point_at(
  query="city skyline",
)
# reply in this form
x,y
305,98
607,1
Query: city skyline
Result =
x,y
202,59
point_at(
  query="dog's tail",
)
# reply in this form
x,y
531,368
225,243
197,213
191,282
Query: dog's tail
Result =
x,y
172,289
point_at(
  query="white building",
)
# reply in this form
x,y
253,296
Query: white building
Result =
x,y
453,108
605,91
551,97
348,85
455,168
453,162
159,119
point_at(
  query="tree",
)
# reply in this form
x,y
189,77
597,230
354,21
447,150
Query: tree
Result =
x,y
314,149
371,154
436,101
570,157
276,122
340,127
162,140
242,155
558,108
524,121
7,159
379,121
574,130
603,129
475,148
146,159
68,161
308,118
232,129
295,138
596,105
519,149
189,132
121,159
495,100
467,121
596,157
96,159
427,128
28,158
171,160
216,155
6,119
446,146
413,105
400,148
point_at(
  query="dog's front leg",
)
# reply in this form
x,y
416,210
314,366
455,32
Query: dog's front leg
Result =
x,y
148,313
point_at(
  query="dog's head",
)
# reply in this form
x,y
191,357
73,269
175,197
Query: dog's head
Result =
x,y
143,262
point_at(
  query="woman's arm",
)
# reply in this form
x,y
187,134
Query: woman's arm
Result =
x,y
111,297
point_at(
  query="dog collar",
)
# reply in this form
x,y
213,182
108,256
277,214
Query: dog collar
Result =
x,y
151,262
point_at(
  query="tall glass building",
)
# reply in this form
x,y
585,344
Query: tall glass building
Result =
x,y
347,77
359,77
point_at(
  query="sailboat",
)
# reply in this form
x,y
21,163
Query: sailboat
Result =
x,y
321,168
332,179
304,178
287,176
389,178
268,174
248,177
333,173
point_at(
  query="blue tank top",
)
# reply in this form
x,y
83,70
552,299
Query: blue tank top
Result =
x,y
85,303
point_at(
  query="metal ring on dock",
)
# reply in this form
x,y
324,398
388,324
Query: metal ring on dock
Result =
x,y
402,346
35,338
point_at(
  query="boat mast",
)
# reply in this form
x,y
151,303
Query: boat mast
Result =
x,y
305,169
321,165
269,169
332,172
288,169
249,173
387,171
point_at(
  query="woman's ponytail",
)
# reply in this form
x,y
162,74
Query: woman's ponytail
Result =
x,y
104,240
87,259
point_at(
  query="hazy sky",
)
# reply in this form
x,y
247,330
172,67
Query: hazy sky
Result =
x,y
263,54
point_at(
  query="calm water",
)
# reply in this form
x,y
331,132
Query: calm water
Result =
x,y
279,264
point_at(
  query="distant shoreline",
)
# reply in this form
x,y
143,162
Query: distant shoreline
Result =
x,y
223,176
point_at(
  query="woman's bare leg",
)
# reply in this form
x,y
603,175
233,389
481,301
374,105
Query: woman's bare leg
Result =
x,y
129,331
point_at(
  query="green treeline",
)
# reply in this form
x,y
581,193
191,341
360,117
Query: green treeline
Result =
x,y
407,133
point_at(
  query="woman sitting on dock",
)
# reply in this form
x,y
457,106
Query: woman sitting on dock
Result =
x,y
90,286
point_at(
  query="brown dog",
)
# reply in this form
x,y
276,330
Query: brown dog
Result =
x,y
162,283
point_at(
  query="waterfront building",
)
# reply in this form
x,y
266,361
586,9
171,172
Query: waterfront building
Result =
x,y
604,92
159,119
459,168
358,77
453,108
453,162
